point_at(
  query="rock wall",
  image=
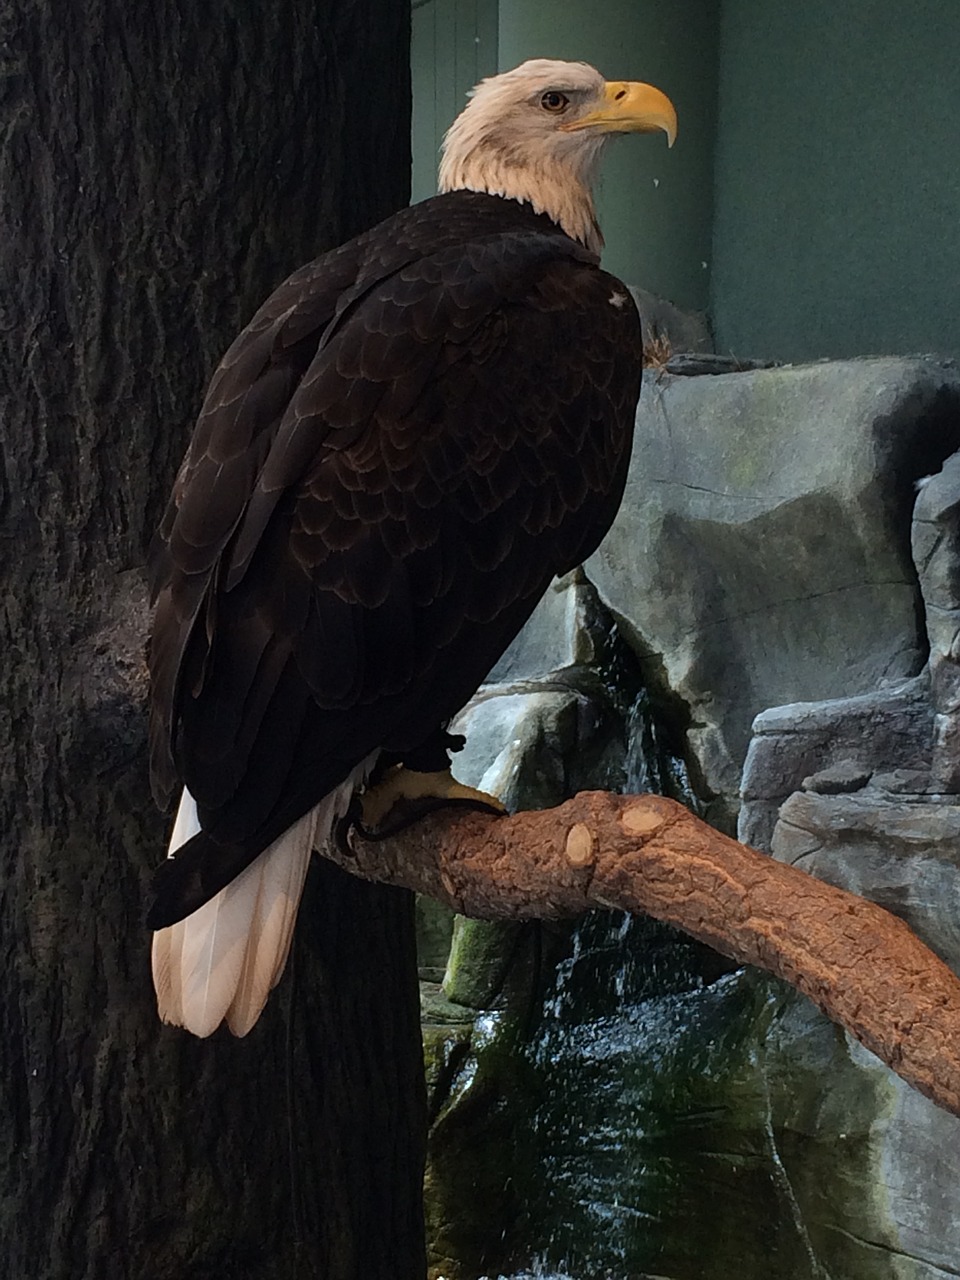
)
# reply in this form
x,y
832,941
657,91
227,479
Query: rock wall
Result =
x,y
762,552
784,580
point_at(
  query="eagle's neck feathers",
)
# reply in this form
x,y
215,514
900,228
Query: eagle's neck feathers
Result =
x,y
557,185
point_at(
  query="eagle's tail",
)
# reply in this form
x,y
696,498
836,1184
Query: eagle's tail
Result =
x,y
222,961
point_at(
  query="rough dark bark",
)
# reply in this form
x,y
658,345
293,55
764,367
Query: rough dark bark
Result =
x,y
646,854
162,166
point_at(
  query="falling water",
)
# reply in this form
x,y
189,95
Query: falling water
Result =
x,y
637,1131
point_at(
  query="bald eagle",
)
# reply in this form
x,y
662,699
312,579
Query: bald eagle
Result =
x,y
412,436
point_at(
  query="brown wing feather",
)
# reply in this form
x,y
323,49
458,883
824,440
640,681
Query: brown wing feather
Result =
x,y
460,434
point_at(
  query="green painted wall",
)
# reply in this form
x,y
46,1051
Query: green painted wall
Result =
x,y
453,46
654,204
837,198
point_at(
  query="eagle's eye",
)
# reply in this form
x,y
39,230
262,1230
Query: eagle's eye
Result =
x,y
554,101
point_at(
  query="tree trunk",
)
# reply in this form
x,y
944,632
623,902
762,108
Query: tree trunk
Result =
x,y
162,166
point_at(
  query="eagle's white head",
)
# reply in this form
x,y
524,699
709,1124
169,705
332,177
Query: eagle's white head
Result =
x,y
535,134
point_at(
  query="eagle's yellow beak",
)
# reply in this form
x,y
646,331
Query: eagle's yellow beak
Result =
x,y
630,107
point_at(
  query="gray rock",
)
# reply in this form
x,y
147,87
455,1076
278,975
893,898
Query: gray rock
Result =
x,y
936,551
516,744
914,782
918,1146
665,323
871,1165
874,815
534,746
480,955
533,743
565,630
902,854
837,779
762,558
688,364
434,933
543,727
761,555
890,729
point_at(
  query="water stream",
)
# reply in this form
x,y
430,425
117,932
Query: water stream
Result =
x,y
656,1115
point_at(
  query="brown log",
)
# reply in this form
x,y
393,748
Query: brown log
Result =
x,y
861,966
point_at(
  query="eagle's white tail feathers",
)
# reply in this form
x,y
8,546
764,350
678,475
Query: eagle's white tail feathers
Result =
x,y
222,961
280,884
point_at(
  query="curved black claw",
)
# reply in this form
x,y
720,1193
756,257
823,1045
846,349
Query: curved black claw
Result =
x,y
406,812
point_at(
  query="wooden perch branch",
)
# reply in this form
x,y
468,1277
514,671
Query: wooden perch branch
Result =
x,y
645,854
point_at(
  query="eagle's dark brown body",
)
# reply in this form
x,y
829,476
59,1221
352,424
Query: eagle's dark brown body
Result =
x,y
414,434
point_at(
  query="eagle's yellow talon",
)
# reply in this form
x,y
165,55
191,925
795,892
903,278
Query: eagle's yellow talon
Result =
x,y
399,785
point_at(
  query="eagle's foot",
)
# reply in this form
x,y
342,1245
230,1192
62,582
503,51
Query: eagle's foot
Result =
x,y
403,796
